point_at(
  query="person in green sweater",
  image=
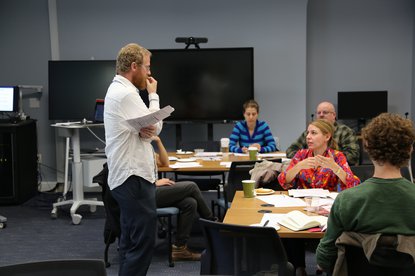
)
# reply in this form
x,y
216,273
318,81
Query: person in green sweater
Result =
x,y
382,204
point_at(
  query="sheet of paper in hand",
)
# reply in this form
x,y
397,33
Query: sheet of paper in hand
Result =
x,y
152,118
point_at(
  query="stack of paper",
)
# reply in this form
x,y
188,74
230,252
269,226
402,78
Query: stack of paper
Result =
x,y
226,164
185,165
152,118
282,201
207,154
271,155
309,192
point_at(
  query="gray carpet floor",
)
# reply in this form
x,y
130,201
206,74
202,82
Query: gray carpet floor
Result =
x,y
31,235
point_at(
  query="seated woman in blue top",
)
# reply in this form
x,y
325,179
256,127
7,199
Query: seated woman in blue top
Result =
x,y
251,132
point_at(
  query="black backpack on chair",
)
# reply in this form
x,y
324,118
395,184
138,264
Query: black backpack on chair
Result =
x,y
112,229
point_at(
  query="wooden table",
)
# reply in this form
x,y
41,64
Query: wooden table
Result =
x,y
244,211
207,165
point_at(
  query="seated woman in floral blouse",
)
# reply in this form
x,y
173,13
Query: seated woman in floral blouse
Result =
x,y
319,166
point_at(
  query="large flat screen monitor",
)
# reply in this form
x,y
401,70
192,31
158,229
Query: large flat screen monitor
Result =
x,y
9,99
74,87
204,84
201,84
361,104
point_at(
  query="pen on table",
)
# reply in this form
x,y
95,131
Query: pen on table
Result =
x,y
265,224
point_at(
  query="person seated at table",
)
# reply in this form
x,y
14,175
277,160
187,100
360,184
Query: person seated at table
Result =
x,y
318,166
251,132
186,196
343,135
385,202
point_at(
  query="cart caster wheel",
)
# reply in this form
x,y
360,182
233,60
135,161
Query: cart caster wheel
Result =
x,y
92,208
54,214
76,219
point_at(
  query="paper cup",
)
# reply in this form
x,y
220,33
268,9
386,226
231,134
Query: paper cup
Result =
x,y
249,188
312,204
253,151
224,145
199,150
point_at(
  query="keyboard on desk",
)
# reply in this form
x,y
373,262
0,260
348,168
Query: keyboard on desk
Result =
x,y
9,121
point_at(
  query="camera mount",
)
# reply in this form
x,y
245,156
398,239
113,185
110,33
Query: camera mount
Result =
x,y
191,41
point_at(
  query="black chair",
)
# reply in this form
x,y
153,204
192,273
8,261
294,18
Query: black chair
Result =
x,y
112,229
366,171
238,171
364,158
385,260
205,180
242,250
363,171
82,267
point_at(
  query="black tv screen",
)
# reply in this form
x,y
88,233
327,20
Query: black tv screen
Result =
x,y
201,84
74,87
204,84
361,104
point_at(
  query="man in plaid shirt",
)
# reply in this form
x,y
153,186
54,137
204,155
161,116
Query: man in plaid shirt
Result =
x,y
343,135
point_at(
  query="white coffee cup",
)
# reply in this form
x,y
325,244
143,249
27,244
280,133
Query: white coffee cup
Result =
x,y
224,145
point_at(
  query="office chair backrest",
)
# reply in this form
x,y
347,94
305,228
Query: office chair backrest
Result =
x,y
242,250
363,171
88,267
238,171
407,173
364,158
385,260
205,180
210,146
366,171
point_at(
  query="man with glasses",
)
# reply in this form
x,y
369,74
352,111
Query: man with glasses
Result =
x,y
343,135
130,155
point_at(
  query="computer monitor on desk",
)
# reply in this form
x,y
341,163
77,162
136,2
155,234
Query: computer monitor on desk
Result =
x,y
9,103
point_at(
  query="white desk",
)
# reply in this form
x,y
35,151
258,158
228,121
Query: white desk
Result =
x,y
77,173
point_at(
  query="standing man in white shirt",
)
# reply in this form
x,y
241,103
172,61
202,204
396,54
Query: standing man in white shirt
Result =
x,y
131,164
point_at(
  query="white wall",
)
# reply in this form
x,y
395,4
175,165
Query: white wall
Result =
x,y
276,30
360,45
321,46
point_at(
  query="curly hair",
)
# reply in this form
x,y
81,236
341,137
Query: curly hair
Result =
x,y
388,138
326,128
251,103
128,54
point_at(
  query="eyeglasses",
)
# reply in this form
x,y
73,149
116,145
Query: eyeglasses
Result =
x,y
147,67
325,112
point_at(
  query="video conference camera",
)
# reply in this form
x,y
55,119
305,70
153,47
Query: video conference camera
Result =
x,y
191,40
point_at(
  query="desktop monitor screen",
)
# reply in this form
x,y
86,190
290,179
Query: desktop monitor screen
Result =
x,y
361,104
9,99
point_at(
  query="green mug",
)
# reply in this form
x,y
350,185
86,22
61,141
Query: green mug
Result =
x,y
249,188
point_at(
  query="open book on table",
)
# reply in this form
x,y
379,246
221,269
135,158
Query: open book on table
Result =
x,y
297,221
